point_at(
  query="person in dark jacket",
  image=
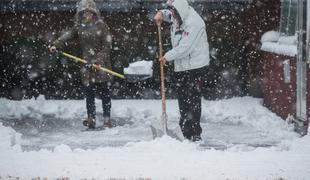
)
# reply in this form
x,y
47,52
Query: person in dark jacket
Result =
x,y
190,54
95,40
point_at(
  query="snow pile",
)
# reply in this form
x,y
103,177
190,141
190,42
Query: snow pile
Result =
x,y
140,67
248,113
39,108
163,158
231,121
245,110
9,139
270,36
301,144
273,42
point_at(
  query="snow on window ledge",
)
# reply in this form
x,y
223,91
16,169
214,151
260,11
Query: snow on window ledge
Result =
x,y
282,49
282,45
270,36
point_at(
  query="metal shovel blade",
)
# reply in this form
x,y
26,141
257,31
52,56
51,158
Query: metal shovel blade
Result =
x,y
161,130
136,77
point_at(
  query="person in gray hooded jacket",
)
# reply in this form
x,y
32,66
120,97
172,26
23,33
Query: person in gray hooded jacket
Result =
x,y
190,54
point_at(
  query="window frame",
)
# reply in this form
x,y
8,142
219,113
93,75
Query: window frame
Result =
x,y
286,29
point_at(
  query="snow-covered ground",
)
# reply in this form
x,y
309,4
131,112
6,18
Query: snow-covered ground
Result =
x,y
242,140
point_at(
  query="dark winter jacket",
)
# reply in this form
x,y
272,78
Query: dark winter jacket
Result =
x,y
95,40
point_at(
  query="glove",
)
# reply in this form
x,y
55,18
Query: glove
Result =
x,y
52,48
88,66
159,18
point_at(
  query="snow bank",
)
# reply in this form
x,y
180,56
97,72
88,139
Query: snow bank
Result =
x,y
284,45
248,112
39,108
9,139
140,67
243,110
163,158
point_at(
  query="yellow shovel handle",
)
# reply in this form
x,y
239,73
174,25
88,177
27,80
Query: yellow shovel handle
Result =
x,y
77,59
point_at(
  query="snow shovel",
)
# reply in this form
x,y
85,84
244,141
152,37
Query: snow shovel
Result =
x,y
163,130
83,61
139,71
129,78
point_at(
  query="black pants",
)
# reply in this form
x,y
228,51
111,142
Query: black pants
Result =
x,y
103,90
189,84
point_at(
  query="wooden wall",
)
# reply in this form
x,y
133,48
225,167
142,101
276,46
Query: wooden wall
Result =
x,y
262,16
279,96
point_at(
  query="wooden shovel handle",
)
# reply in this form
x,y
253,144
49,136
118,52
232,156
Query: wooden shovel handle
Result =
x,y
83,61
162,75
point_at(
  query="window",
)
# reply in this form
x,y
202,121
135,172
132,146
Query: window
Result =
x,y
288,21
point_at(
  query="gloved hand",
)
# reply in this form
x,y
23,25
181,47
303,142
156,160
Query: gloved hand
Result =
x,y
158,18
88,66
163,60
97,64
52,48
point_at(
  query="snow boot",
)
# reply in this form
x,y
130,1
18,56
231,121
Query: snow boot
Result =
x,y
107,122
196,138
90,123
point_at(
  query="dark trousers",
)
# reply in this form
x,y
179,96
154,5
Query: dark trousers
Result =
x,y
103,91
189,84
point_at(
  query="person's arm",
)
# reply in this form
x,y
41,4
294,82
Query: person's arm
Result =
x,y
186,45
65,37
104,55
62,39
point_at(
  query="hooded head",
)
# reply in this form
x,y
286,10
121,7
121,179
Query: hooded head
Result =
x,y
86,5
181,6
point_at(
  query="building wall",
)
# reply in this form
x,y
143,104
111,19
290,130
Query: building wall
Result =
x,y
134,38
266,71
308,95
262,16
278,96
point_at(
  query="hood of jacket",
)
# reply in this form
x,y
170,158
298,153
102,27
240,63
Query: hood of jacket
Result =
x,y
88,5
181,6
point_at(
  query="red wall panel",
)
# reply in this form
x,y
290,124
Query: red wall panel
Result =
x,y
308,94
279,96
